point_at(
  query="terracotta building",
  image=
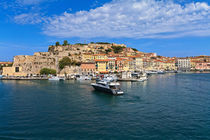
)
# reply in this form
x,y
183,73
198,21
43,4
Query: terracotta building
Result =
x,y
202,66
88,68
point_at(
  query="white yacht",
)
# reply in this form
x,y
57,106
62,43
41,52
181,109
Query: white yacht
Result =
x,y
108,87
139,78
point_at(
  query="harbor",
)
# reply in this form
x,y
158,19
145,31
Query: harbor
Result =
x,y
42,109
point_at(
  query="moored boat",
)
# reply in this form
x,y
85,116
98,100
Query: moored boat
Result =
x,y
160,72
139,78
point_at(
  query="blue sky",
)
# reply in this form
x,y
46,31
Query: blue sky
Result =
x,y
167,27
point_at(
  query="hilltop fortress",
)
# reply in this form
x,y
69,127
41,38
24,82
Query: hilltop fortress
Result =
x,y
25,65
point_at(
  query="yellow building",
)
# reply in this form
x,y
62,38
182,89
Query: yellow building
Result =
x,y
193,64
13,71
168,65
127,65
101,65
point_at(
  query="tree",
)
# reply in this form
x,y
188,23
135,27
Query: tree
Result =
x,y
78,63
57,43
47,71
103,43
108,50
117,49
66,61
135,49
65,43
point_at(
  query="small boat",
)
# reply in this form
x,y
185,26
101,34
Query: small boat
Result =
x,y
108,87
56,78
139,78
151,72
81,78
110,78
1,76
160,72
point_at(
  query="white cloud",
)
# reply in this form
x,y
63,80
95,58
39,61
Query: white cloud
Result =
x,y
134,19
28,18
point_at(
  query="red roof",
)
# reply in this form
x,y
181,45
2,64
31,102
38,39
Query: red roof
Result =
x,y
103,60
5,62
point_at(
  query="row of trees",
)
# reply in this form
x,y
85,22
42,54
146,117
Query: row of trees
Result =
x,y
47,71
65,43
117,49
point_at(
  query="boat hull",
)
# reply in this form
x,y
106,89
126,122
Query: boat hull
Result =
x,y
106,90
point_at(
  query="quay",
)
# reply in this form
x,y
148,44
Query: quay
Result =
x,y
24,78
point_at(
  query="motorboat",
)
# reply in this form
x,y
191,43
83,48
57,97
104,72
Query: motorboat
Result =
x,y
108,87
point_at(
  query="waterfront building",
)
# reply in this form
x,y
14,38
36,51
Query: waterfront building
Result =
x,y
88,68
202,66
202,58
13,71
193,64
127,65
30,65
170,65
183,64
5,64
120,62
101,65
165,65
137,63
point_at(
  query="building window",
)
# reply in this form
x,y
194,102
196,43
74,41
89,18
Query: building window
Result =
x,y
17,69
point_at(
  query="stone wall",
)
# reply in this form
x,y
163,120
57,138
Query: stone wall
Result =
x,y
33,64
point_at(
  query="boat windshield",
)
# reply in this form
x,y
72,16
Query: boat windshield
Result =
x,y
114,87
